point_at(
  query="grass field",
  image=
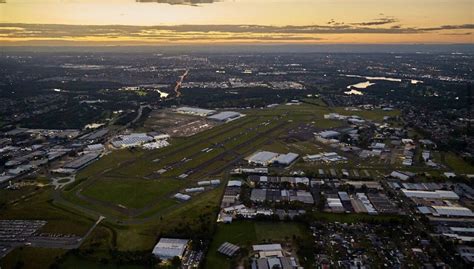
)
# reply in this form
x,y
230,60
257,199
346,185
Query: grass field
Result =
x,y
40,207
123,182
376,115
458,164
246,233
131,193
32,258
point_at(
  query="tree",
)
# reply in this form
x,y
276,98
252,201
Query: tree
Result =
x,y
176,262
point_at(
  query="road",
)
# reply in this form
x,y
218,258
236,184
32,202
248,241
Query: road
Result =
x,y
177,88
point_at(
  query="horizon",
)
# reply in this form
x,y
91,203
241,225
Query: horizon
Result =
x,y
161,22
249,48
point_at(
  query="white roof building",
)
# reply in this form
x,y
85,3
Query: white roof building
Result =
x,y
182,197
192,190
234,183
95,147
286,159
168,248
399,175
131,140
438,194
267,247
329,134
225,116
454,211
263,158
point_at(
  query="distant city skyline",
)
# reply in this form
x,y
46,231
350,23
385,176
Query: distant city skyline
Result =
x,y
92,22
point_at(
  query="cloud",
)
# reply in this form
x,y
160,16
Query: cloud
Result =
x,y
179,2
224,32
458,34
380,21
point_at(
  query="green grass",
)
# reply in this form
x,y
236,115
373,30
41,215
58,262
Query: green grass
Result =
x,y
375,115
9,196
40,207
458,164
32,258
247,233
131,193
75,262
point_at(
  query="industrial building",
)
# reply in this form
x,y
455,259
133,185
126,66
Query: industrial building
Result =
x,y
82,161
193,190
453,211
226,116
271,256
438,194
446,211
266,158
324,157
195,111
277,196
263,158
168,248
401,175
329,134
286,159
228,249
182,197
131,140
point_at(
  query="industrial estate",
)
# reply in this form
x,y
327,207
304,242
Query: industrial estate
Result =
x,y
237,166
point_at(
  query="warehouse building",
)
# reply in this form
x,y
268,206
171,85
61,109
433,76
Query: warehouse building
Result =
x,y
438,194
193,190
266,158
263,158
228,249
258,195
182,197
226,116
168,248
401,175
131,140
286,159
329,134
82,161
453,211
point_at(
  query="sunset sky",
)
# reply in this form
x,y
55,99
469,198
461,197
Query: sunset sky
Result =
x,y
104,22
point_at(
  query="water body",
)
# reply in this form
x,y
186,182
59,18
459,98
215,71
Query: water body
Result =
x,y
375,78
365,85
354,92
361,85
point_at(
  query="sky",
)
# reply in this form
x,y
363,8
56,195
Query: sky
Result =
x,y
137,22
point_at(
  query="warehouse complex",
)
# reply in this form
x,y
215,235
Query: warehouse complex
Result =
x,y
226,116
82,161
168,248
266,158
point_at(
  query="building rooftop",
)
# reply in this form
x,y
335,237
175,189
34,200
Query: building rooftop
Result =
x,y
225,116
286,158
168,248
262,157
228,249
